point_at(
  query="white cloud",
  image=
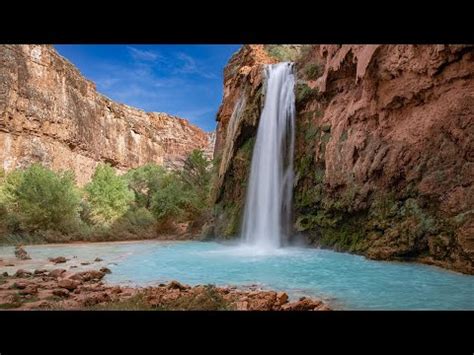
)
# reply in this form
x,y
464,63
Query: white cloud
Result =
x,y
189,66
143,55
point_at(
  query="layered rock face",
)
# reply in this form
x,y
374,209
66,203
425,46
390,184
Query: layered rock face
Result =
x,y
50,113
384,156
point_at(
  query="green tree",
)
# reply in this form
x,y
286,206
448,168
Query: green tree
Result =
x,y
171,200
196,176
144,182
42,199
108,195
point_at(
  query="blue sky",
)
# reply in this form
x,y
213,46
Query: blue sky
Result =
x,y
182,80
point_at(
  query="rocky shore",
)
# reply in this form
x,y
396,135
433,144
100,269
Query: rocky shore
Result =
x,y
85,290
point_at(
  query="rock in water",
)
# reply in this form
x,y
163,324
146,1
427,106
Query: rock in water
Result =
x,y
176,285
106,270
21,253
58,260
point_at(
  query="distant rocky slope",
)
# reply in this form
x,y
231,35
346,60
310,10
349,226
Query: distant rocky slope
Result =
x,y
50,113
384,147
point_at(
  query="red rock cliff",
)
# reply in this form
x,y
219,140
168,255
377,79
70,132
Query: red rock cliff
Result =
x,y
384,151
50,113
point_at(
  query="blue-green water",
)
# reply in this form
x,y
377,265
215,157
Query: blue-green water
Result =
x,y
345,281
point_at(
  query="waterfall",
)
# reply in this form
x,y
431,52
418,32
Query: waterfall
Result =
x,y
266,222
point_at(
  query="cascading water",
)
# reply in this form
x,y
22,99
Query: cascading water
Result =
x,y
268,205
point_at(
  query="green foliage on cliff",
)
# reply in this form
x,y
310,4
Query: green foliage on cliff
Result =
x,y
313,71
229,211
285,52
304,93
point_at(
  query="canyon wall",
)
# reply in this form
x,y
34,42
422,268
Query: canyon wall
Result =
x,y
384,156
50,113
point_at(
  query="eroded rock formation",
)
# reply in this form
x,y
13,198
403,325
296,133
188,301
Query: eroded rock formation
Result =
x,y
384,149
50,113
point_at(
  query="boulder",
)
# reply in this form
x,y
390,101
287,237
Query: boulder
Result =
x,y
281,298
323,307
19,285
88,275
12,301
40,271
38,305
68,284
242,306
176,285
116,290
5,274
61,292
21,253
85,263
22,273
304,304
58,260
57,273
29,290
96,298
97,260
105,270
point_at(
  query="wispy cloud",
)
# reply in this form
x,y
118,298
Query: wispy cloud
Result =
x,y
143,55
189,66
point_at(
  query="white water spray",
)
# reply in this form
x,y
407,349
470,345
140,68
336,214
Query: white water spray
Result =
x,y
270,191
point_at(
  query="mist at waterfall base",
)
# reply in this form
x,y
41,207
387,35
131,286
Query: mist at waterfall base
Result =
x,y
266,222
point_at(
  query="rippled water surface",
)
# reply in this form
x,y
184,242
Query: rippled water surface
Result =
x,y
346,281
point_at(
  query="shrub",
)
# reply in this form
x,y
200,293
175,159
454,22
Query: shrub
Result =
x,y
313,71
140,217
285,52
171,200
304,93
108,196
144,181
196,177
40,199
